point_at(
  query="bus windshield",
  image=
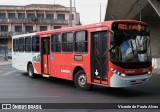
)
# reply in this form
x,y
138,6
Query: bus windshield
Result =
x,y
131,48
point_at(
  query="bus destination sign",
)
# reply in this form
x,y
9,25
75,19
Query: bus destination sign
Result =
x,y
129,26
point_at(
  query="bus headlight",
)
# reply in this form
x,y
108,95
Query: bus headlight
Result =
x,y
149,73
123,75
118,73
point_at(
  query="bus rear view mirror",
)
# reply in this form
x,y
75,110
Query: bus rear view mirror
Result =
x,y
111,31
111,40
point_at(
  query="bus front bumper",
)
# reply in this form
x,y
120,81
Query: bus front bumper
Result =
x,y
118,81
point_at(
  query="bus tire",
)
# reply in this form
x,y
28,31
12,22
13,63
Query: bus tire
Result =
x,y
31,71
80,81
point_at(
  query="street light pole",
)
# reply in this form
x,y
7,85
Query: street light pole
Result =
x,y
5,37
70,14
74,3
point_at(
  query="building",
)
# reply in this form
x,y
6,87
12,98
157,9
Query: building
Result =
x,y
31,18
143,10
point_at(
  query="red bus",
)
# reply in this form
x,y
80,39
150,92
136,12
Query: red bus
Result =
x,y
112,53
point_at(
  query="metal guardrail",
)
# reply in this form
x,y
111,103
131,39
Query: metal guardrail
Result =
x,y
66,9
2,50
10,34
34,21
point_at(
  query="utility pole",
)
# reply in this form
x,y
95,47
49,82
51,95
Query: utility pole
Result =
x,y
100,11
74,3
5,37
70,14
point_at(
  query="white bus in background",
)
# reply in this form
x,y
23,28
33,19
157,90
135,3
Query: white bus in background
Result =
x,y
25,48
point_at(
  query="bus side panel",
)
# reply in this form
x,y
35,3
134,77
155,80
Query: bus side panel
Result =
x,y
20,60
15,60
37,67
45,64
84,64
53,69
26,58
36,62
63,72
60,67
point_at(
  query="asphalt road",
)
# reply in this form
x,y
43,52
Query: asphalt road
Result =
x,y
17,87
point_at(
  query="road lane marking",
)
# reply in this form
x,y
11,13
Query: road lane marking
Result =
x,y
31,97
8,73
7,69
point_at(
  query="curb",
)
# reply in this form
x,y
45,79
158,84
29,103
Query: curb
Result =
x,y
156,71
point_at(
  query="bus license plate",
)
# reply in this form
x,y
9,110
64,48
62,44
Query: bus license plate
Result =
x,y
139,81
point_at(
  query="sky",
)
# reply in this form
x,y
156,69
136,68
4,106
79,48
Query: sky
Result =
x,y
89,9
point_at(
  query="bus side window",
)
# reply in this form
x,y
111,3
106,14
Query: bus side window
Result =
x,y
81,43
35,44
21,44
67,42
15,44
28,44
56,43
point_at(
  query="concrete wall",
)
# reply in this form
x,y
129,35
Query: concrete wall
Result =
x,y
156,63
150,13
155,42
155,38
150,16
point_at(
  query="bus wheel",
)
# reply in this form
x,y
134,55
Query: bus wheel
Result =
x,y
80,81
31,71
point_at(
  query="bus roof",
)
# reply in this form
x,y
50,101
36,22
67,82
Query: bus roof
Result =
x,y
105,23
24,35
82,27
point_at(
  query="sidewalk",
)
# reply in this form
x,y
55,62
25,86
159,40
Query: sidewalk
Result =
x,y
3,62
156,71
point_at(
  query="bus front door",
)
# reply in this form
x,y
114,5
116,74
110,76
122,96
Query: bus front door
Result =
x,y
99,52
45,55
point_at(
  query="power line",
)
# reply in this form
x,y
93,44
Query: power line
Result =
x,y
84,5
